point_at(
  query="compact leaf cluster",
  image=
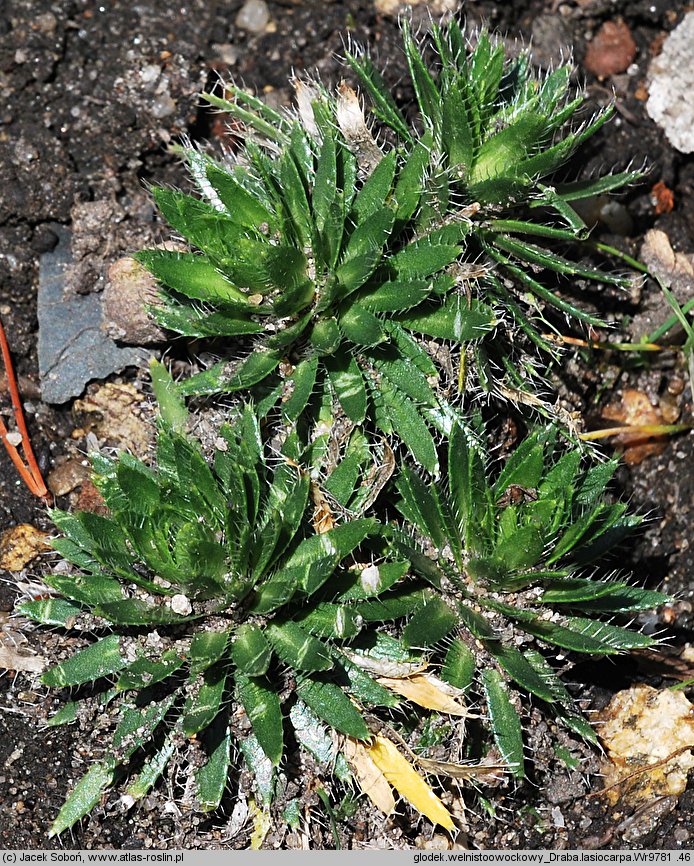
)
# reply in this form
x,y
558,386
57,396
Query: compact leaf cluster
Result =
x,y
268,584
338,261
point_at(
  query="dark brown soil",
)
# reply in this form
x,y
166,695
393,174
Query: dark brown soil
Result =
x,y
79,123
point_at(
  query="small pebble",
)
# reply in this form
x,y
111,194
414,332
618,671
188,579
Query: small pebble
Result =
x,y
181,605
226,52
149,74
163,106
46,22
253,16
612,49
66,477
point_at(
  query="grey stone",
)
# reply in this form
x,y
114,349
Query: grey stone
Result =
x,y
73,349
671,89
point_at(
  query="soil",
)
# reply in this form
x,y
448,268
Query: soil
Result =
x,y
90,98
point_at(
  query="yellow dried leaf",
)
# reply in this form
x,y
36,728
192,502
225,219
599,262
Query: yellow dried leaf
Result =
x,y
407,782
428,691
262,822
20,544
369,778
636,410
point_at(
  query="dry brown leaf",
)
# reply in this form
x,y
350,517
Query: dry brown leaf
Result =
x,y
428,691
369,778
378,476
634,409
12,660
20,544
384,667
674,269
323,519
90,499
641,728
486,773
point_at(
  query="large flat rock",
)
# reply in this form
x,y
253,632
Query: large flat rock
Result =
x,y
73,349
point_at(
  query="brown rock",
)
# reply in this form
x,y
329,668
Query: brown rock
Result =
x,y
66,477
20,544
129,290
90,499
611,50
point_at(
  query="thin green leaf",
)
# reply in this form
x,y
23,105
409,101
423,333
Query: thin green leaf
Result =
x,y
298,648
212,776
202,707
376,189
459,665
250,650
262,707
144,672
505,722
385,107
227,377
51,611
456,319
206,648
100,659
431,624
152,770
348,383
84,796
332,705
402,415
303,380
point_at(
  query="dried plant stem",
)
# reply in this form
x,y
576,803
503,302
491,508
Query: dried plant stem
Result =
x,y
598,344
635,429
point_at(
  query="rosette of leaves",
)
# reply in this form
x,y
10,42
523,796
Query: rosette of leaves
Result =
x,y
506,559
204,588
497,132
325,268
333,260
